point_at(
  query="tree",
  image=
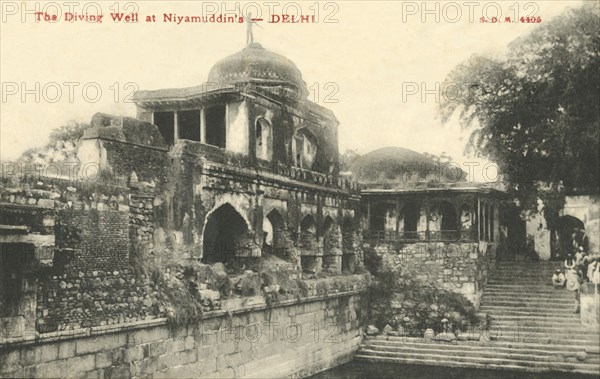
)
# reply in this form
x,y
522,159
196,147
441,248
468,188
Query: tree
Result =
x,y
346,159
535,112
61,148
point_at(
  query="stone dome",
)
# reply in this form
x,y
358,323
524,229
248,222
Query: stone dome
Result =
x,y
400,167
257,65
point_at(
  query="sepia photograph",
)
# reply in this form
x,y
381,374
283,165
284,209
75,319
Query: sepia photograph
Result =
x,y
300,189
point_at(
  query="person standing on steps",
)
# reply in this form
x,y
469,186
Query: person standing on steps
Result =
x,y
583,240
581,261
573,279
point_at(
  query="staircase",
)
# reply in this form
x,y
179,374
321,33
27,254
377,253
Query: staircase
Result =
x,y
534,328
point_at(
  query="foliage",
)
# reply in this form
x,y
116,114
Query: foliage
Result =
x,y
177,297
346,159
535,112
442,159
372,260
397,298
61,148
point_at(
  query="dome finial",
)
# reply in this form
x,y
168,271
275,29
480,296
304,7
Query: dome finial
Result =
x,y
249,22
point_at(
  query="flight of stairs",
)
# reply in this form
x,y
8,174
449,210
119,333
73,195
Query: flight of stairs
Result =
x,y
534,328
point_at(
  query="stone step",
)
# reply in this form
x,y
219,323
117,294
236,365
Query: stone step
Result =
x,y
502,309
494,313
558,319
490,352
554,327
452,361
542,279
518,294
532,329
497,315
527,273
544,302
539,305
557,295
519,287
561,303
540,321
541,298
590,349
524,274
547,275
526,282
530,267
544,276
547,339
524,290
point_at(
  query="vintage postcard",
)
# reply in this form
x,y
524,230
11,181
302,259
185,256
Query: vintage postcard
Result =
x,y
300,189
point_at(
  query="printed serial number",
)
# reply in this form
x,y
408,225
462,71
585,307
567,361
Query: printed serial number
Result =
x,y
523,20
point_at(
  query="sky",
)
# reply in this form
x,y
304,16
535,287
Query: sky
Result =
x,y
368,61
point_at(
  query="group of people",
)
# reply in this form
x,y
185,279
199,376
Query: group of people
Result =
x,y
579,268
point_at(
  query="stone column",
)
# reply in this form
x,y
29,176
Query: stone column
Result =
x,y
398,218
175,127
202,125
427,215
458,210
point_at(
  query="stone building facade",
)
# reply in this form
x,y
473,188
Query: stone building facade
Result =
x,y
581,213
235,173
421,214
247,163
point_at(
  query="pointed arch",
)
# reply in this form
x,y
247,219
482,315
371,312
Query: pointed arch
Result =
x,y
304,148
225,233
264,139
308,245
274,234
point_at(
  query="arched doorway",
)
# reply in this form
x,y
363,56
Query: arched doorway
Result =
x,y
308,245
448,224
225,235
304,148
264,139
466,223
442,219
566,229
274,235
409,217
382,222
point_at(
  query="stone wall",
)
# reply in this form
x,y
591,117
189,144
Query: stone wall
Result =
x,y
590,305
99,238
292,339
584,208
87,280
75,300
460,267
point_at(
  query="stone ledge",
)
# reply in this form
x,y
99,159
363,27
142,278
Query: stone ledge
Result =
x,y
107,329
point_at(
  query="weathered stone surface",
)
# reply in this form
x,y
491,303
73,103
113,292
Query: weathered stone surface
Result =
x,y
160,350
445,337
372,330
387,329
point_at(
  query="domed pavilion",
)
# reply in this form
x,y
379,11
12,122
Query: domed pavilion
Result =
x,y
408,196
